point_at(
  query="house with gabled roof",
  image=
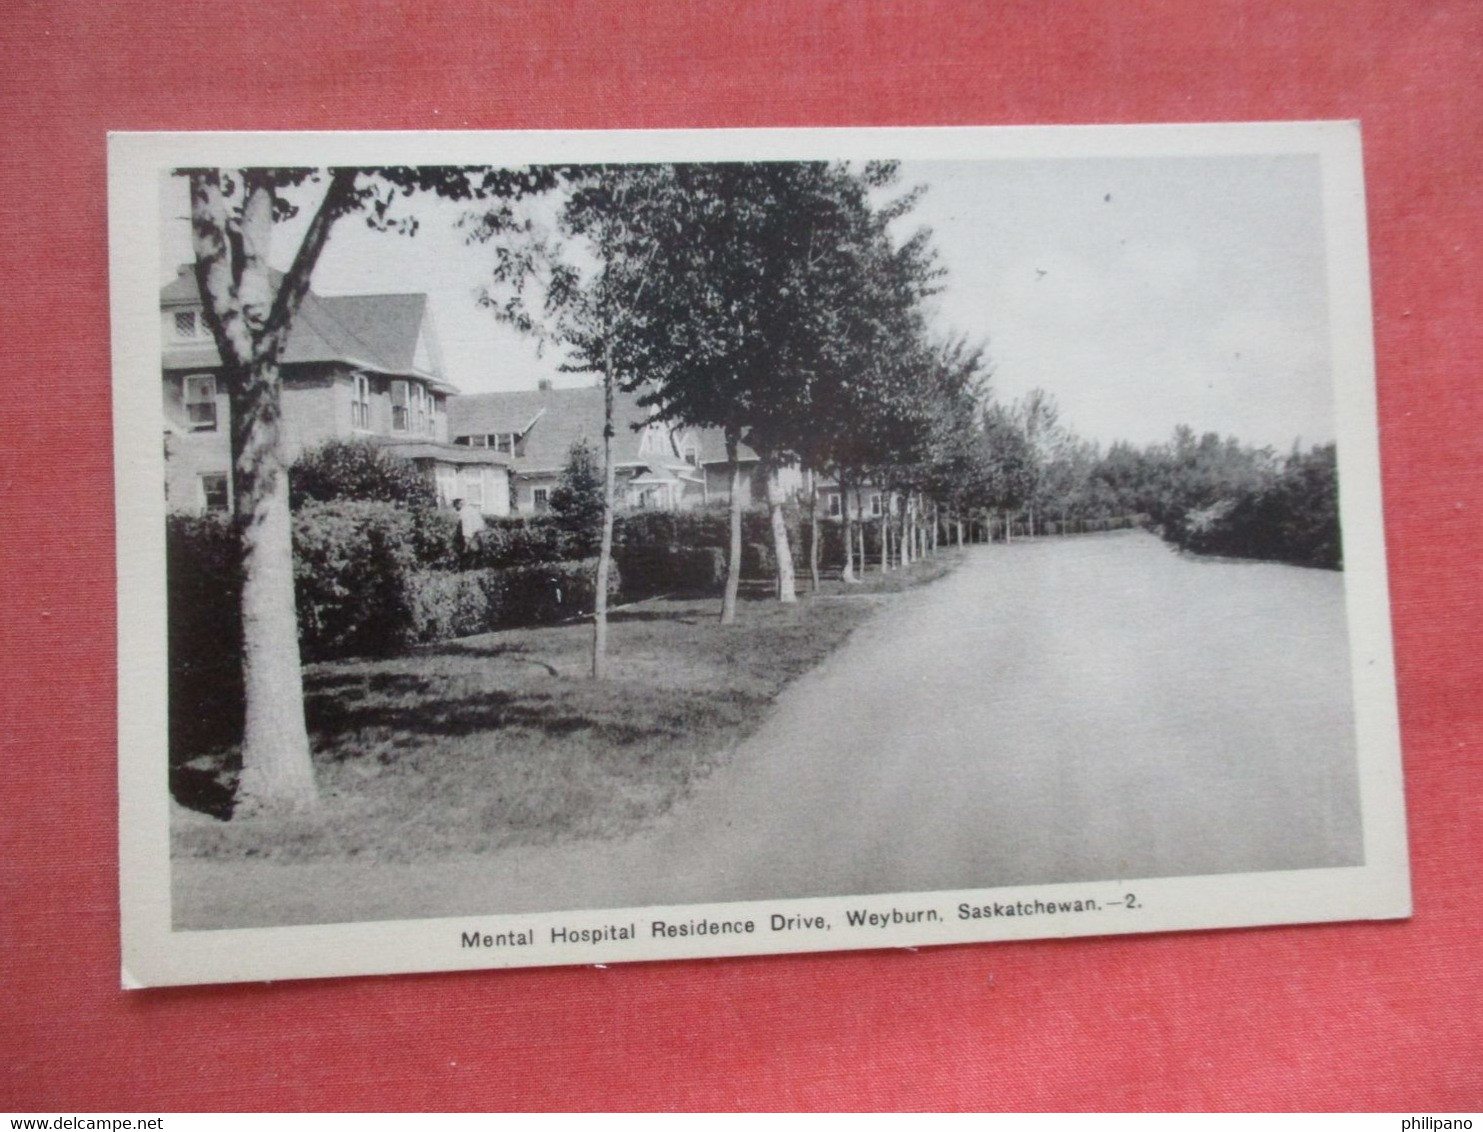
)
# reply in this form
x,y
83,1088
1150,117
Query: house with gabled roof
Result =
x,y
354,366
658,465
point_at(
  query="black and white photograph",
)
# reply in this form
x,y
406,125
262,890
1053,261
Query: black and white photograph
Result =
x,y
576,548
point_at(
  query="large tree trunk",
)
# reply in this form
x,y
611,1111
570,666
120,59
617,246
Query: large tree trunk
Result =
x,y
787,589
605,548
231,231
277,772
733,558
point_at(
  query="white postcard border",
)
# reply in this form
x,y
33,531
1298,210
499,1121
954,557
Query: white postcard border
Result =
x,y
154,954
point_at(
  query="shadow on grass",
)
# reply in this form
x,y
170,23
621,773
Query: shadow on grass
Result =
x,y
429,717
678,616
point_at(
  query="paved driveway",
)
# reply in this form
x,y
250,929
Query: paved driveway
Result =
x,y
1084,709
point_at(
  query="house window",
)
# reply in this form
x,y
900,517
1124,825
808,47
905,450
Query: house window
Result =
x,y
692,455
200,402
419,409
875,505
215,495
473,487
447,481
189,326
834,506
360,402
503,442
401,406
540,499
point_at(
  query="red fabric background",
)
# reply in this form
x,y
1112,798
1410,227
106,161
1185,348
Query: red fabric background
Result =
x,y
1378,1016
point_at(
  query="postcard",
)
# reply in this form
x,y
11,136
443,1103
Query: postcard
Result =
x,y
577,548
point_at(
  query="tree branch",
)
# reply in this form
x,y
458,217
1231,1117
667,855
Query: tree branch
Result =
x,y
337,198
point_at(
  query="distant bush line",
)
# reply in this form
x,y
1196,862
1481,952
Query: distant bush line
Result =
x,y
1292,516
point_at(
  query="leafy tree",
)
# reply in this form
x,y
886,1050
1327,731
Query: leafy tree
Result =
x,y
1007,460
577,499
581,285
1039,420
357,470
250,310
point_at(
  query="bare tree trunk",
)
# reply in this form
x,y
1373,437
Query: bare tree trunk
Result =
x,y
733,559
605,548
958,527
847,572
787,585
861,535
909,531
886,534
813,532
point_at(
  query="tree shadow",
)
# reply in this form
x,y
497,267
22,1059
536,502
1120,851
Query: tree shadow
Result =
x,y
678,616
432,716
207,791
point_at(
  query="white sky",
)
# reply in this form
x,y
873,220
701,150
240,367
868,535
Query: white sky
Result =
x,y
1141,293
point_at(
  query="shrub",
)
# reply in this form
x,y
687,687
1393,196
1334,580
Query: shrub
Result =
x,y
446,604
552,591
351,565
651,570
435,539
359,470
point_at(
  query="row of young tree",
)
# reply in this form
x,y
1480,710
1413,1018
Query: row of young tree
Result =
x,y
773,301
769,300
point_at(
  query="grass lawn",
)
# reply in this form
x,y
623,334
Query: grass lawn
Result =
x,y
501,739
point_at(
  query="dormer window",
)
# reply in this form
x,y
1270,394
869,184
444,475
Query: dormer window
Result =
x,y
200,402
503,442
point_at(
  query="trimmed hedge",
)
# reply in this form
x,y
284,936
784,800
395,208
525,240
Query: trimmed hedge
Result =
x,y
651,570
448,604
706,526
521,542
